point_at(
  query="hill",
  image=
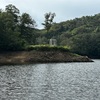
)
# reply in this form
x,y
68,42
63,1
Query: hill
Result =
x,y
82,35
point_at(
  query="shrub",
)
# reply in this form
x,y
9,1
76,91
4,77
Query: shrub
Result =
x,y
47,48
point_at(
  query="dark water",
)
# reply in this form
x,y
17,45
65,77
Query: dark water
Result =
x,y
63,81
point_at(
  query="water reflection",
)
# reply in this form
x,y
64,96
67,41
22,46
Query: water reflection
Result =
x,y
66,81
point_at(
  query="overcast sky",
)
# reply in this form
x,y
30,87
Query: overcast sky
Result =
x,y
64,9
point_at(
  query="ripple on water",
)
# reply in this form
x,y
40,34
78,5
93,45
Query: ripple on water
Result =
x,y
63,81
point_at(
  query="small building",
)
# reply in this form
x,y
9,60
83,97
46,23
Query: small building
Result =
x,y
53,42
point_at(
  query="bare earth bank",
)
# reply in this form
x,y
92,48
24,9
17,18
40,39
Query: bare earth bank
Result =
x,y
26,57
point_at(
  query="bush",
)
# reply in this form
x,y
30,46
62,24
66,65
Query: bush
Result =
x,y
47,48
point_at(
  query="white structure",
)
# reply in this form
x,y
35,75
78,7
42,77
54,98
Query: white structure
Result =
x,y
53,42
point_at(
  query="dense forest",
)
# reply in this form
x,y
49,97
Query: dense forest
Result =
x,y
81,35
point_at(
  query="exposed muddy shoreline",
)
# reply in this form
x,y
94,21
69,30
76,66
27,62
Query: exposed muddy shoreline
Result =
x,y
27,57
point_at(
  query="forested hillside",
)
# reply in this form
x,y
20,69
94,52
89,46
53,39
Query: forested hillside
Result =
x,y
81,35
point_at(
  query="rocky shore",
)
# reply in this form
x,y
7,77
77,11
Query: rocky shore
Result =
x,y
27,57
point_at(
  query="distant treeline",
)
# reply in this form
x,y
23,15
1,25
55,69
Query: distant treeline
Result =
x,y
81,35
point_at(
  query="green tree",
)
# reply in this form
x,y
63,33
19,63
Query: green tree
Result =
x,y
14,11
48,20
27,24
9,34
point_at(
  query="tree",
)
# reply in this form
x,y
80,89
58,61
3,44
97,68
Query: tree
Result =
x,y
12,9
48,20
0,10
9,34
27,25
9,39
27,21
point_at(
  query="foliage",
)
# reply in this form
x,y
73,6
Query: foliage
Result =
x,y
47,48
27,25
13,29
48,20
88,44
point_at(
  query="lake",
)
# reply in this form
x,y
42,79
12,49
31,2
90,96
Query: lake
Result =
x,y
56,81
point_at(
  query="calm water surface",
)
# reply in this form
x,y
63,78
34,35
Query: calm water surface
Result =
x,y
62,81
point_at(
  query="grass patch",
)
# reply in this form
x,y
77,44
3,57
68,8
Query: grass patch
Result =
x,y
47,48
